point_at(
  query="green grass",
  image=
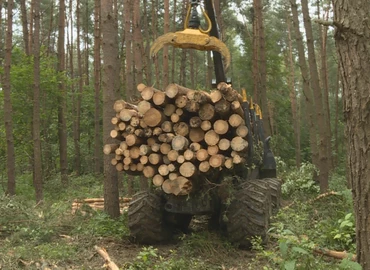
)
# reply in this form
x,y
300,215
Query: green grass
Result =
x,y
49,233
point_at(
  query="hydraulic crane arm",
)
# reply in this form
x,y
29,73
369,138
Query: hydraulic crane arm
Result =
x,y
217,59
194,37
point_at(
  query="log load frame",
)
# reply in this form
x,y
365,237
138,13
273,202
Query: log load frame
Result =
x,y
173,136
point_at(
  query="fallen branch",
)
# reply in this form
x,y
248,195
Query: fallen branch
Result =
x,y
327,194
98,204
323,251
91,200
324,195
109,264
335,254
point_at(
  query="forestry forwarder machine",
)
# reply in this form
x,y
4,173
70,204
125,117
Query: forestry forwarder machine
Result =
x,y
239,203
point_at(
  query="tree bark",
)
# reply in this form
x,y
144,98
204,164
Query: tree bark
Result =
x,y
337,88
147,59
323,37
62,109
255,54
110,93
37,161
324,144
77,118
98,161
166,29
86,43
262,88
173,64
293,98
8,108
310,106
138,41
30,32
25,26
352,40
51,18
128,40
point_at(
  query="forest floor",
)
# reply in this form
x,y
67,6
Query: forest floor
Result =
x,y
71,246
51,236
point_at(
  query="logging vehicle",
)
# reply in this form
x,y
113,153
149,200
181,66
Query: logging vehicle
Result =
x,y
205,151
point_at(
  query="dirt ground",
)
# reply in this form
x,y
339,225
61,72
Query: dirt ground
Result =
x,y
209,248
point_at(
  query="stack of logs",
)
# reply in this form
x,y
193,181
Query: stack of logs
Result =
x,y
98,204
174,135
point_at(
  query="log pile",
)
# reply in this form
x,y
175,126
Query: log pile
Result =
x,y
98,204
173,136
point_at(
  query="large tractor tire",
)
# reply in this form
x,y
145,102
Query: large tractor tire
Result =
x,y
178,222
146,219
275,188
248,214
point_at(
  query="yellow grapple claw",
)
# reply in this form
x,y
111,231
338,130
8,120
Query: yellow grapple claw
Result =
x,y
192,39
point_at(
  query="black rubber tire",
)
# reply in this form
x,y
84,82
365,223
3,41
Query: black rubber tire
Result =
x,y
248,214
179,222
146,219
275,188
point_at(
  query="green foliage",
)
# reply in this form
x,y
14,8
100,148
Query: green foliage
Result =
x,y
27,222
145,259
310,222
99,224
148,258
349,265
344,233
296,252
205,244
79,187
298,181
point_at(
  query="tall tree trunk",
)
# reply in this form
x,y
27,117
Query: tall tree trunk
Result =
x,y
70,50
110,82
336,123
165,48
86,43
8,108
310,106
62,109
36,121
49,47
183,62
30,32
70,59
323,36
138,54
147,59
209,70
129,52
97,76
293,98
262,67
255,55
25,26
129,67
138,41
192,70
173,65
78,98
157,80
324,159
352,40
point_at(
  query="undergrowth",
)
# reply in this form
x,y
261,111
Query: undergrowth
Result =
x,y
31,234
309,223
